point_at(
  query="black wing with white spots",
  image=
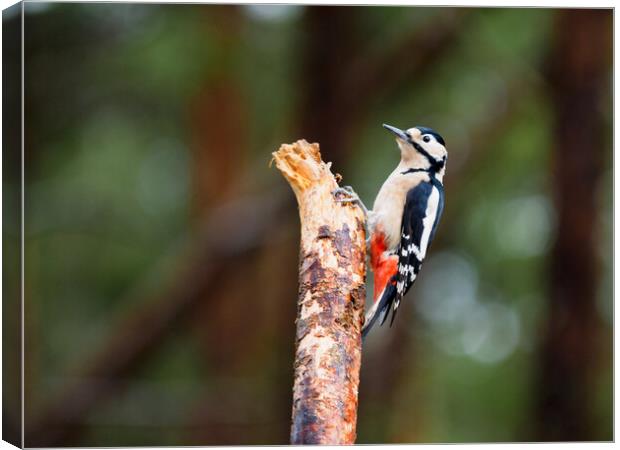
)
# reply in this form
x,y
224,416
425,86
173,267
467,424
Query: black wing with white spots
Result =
x,y
423,209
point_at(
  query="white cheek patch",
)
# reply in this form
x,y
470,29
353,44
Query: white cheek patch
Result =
x,y
436,150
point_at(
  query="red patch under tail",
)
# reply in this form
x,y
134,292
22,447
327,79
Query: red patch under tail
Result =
x,y
383,267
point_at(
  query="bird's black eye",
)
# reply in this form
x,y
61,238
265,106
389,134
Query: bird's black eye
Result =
x,y
426,138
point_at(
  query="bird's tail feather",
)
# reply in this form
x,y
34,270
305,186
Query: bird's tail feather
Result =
x,y
394,309
380,309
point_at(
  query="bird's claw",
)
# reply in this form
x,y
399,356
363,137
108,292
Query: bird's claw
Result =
x,y
346,194
348,189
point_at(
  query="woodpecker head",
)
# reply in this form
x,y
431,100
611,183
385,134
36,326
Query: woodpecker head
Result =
x,y
421,142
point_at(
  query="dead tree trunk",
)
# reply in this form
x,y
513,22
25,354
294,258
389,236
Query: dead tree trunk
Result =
x,y
331,301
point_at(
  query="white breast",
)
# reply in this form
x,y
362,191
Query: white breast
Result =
x,y
387,211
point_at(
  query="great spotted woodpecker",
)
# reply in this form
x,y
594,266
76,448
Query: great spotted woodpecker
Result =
x,y
404,218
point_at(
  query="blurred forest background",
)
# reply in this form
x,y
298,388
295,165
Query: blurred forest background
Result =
x,y
161,251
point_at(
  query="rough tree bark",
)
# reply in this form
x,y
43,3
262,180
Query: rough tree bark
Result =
x,y
331,301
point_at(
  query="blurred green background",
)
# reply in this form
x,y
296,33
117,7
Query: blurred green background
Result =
x,y
161,251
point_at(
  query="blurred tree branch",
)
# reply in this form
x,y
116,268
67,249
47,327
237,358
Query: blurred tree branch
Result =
x,y
220,148
578,78
329,40
217,113
141,331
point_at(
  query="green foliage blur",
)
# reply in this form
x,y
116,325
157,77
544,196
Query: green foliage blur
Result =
x,y
122,108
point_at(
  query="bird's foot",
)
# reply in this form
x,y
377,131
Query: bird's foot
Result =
x,y
346,194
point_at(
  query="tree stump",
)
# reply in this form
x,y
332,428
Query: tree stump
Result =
x,y
332,276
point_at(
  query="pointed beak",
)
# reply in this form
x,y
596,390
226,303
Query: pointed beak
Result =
x,y
398,132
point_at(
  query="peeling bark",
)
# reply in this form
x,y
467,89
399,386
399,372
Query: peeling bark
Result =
x,y
330,309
